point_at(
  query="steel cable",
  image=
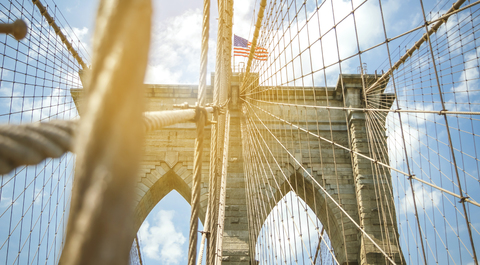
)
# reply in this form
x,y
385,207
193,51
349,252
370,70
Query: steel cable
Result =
x,y
197,177
29,144
198,155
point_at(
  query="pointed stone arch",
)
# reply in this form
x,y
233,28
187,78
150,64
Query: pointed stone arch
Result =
x,y
159,182
347,177
326,212
311,236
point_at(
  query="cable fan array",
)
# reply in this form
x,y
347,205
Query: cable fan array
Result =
x,y
419,137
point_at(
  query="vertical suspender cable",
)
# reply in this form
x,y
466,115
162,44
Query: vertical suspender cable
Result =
x,y
198,156
320,238
222,82
447,128
402,132
216,135
223,190
202,87
197,176
212,183
204,236
211,197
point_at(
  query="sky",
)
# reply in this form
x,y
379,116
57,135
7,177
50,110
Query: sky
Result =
x,y
175,59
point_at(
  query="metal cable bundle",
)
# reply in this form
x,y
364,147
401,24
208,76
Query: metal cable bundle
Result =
x,y
29,144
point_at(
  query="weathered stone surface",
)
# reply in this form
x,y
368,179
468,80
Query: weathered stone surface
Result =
x,y
349,178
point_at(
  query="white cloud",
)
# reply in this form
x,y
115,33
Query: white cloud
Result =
x,y
296,49
81,35
81,40
55,104
161,241
290,228
243,18
424,199
466,90
414,132
41,100
175,49
162,74
425,135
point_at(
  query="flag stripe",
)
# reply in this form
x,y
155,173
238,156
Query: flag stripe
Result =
x,y
242,48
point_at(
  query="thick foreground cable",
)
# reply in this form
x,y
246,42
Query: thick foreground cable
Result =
x,y
110,137
30,144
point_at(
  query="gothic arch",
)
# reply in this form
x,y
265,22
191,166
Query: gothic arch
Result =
x,y
287,250
322,207
164,184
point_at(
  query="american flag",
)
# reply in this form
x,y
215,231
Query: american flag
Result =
x,y
241,47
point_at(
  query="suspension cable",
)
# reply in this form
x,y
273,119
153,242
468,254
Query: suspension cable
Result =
x,y
223,191
59,32
417,44
258,25
198,155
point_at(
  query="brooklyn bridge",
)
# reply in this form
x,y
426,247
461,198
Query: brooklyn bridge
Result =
x,y
288,148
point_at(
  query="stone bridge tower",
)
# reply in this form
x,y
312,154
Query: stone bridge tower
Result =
x,y
168,164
